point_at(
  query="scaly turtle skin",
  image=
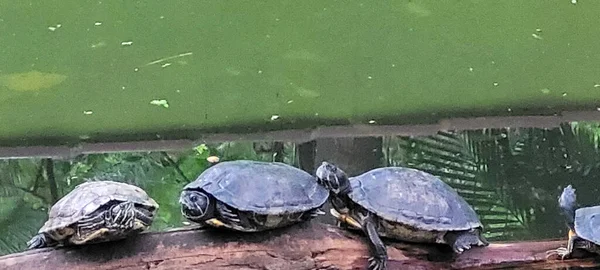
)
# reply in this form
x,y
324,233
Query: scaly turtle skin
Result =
x,y
583,223
404,204
252,196
96,211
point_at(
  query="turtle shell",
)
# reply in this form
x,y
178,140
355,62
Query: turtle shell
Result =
x,y
266,188
587,222
413,198
88,197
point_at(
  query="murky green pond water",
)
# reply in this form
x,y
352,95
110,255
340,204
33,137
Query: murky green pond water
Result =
x,y
124,70
78,69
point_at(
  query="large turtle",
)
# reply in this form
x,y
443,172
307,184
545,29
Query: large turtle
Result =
x,y
583,223
401,203
96,211
252,196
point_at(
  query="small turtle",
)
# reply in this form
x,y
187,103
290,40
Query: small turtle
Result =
x,y
252,196
401,203
96,211
583,223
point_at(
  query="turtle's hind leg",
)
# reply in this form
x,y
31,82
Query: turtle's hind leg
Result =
x,y
464,240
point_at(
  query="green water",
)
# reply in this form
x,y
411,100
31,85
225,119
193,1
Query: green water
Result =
x,y
244,63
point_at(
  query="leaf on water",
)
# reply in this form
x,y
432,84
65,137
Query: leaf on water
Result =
x,y
31,81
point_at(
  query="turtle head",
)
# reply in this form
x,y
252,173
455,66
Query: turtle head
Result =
x,y
567,203
196,205
333,178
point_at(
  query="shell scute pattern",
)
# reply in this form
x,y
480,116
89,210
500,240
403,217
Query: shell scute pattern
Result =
x,y
414,198
246,185
587,222
89,197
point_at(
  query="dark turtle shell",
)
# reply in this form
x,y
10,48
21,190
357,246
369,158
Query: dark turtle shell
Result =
x,y
414,198
587,222
88,197
266,188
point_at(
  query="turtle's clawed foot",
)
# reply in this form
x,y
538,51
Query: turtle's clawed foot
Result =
x,y
38,241
462,241
562,252
377,263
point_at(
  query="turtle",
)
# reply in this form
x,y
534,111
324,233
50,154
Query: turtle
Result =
x,y
400,203
583,224
252,196
96,211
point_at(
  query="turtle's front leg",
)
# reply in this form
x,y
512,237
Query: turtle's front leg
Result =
x,y
40,240
228,218
378,259
565,252
121,216
143,218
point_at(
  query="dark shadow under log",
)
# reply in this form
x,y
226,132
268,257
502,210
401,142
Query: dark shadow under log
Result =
x,y
300,247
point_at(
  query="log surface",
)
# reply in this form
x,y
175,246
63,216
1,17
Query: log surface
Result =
x,y
306,246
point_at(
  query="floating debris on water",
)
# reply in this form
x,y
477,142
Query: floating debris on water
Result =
x,y
307,93
536,36
126,43
545,91
417,9
495,84
290,101
31,81
98,23
274,117
372,122
53,28
88,112
233,71
160,102
98,45
212,159
168,58
165,65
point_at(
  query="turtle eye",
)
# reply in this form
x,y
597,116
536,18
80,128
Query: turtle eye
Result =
x,y
194,198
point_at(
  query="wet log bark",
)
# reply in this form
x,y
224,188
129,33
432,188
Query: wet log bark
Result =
x,y
300,247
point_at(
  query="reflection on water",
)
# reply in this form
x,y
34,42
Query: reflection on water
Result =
x,y
512,177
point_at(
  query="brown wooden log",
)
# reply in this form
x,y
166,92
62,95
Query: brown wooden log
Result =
x,y
301,247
